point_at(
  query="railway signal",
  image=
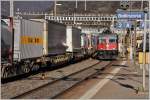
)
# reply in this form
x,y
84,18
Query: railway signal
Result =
x,y
124,5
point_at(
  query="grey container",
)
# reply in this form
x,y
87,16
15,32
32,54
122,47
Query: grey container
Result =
x,y
56,38
73,39
28,38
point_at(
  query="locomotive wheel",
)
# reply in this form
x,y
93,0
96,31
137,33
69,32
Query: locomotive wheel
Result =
x,y
25,68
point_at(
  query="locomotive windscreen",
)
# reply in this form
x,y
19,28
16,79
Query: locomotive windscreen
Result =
x,y
112,39
102,39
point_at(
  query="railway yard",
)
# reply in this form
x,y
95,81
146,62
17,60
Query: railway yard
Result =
x,y
80,49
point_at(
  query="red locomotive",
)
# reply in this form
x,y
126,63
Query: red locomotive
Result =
x,y
107,47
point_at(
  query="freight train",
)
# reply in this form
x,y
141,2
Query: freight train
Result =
x,y
107,47
38,44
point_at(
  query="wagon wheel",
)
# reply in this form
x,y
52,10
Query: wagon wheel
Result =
x,y
35,67
25,68
6,72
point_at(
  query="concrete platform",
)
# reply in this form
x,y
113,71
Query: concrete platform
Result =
x,y
122,82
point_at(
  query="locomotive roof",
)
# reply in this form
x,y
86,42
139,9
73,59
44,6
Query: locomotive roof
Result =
x,y
108,34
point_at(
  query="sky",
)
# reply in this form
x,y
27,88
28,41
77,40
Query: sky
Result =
x,y
66,7
25,6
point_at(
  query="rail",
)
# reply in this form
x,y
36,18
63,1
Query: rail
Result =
x,y
49,85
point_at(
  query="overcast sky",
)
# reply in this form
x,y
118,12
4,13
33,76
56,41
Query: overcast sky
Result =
x,y
103,7
26,6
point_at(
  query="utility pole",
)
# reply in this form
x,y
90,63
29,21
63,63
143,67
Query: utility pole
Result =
x,y
85,6
55,7
144,47
113,24
131,49
144,51
131,33
134,41
74,16
76,4
11,8
142,5
0,34
74,13
149,37
12,30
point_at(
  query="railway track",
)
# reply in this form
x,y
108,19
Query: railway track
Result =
x,y
25,75
57,87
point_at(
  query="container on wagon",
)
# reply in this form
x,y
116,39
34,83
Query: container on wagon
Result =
x,y
28,39
94,41
84,40
73,39
56,38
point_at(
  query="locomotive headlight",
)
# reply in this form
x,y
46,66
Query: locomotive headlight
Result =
x,y
107,45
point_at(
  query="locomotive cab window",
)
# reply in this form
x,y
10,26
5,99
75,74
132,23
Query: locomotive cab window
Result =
x,y
101,40
112,40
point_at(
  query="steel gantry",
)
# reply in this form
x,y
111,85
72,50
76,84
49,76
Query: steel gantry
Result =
x,y
76,19
83,20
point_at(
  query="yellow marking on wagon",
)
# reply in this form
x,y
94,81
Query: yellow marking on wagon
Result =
x,y
31,40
